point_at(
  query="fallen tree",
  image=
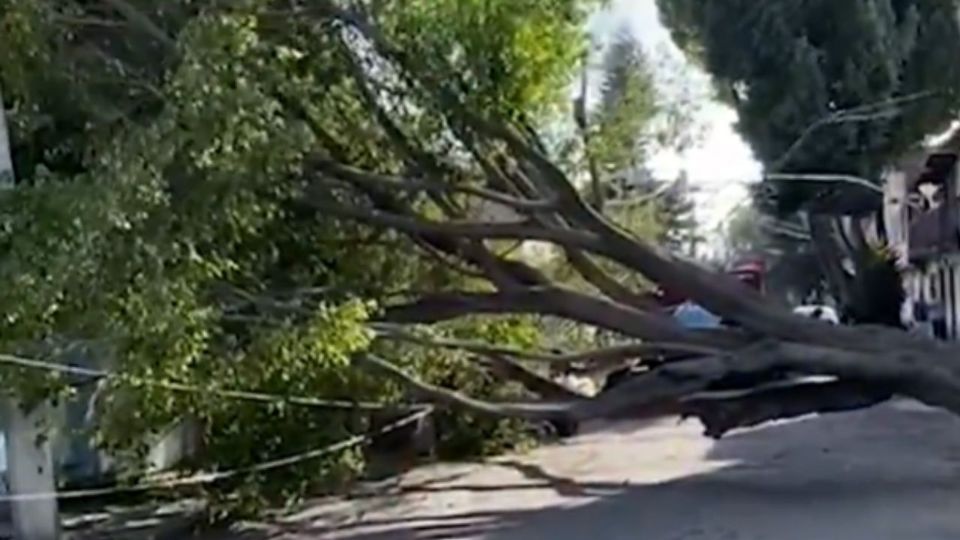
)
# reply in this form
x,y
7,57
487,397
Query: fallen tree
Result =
x,y
204,196
507,167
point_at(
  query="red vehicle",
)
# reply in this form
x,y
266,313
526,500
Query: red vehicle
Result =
x,y
752,273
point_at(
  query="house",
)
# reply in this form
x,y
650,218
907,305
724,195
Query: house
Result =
x,y
921,222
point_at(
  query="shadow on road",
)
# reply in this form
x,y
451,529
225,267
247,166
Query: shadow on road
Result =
x,y
890,473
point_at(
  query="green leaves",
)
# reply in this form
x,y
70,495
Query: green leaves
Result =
x,y
160,218
508,57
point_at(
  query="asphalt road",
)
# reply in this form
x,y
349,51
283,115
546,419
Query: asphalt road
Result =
x,y
889,473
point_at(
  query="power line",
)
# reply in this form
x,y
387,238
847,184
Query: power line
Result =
x,y
164,481
243,395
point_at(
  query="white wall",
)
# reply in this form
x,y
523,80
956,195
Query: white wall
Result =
x,y
31,472
179,442
895,212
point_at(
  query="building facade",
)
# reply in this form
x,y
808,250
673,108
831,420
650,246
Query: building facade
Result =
x,y
922,224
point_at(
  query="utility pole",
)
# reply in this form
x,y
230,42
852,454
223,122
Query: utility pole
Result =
x,y
30,469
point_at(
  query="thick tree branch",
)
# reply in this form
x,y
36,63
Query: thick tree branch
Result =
x,y
679,388
882,110
606,284
826,178
397,332
498,360
721,415
546,388
352,174
557,302
142,21
477,230
436,394
451,245
902,374
408,151
620,353
447,260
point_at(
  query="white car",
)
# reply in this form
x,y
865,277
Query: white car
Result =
x,y
819,312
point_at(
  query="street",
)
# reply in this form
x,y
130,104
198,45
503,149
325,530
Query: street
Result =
x,y
891,472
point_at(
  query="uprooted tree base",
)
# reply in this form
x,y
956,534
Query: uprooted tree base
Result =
x,y
509,170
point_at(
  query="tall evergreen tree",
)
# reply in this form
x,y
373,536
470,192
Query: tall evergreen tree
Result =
x,y
626,127
789,65
628,104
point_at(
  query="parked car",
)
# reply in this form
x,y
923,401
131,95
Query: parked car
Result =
x,y
819,312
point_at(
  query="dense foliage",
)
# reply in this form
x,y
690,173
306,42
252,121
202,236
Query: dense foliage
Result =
x,y
162,150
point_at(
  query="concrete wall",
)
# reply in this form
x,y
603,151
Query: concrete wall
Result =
x,y
31,472
179,442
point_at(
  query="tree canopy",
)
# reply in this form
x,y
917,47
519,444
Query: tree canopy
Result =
x,y
162,153
827,87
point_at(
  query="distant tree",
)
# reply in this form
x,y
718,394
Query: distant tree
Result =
x,y
669,201
632,119
622,121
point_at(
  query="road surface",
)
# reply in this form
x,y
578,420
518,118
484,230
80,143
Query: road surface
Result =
x,y
889,473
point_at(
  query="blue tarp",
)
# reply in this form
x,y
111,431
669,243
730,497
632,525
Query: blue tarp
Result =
x,y
691,315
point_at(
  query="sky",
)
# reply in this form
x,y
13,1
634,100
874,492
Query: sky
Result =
x,y
722,162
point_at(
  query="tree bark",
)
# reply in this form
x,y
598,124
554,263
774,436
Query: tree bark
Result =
x,y
720,415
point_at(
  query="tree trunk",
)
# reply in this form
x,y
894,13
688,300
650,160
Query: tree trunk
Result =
x,y
825,244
